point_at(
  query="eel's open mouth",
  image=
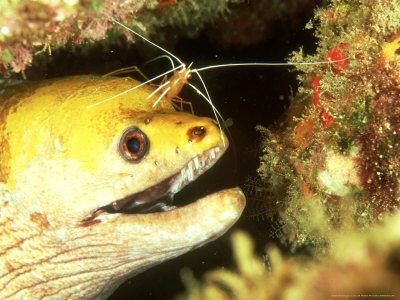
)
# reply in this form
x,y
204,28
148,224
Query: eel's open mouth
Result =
x,y
159,197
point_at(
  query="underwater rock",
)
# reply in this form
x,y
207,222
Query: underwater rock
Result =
x,y
333,163
28,28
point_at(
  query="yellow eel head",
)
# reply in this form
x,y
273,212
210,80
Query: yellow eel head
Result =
x,y
85,188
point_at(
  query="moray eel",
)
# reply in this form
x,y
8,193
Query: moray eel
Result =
x,y
85,191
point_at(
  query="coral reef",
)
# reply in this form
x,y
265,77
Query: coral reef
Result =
x,y
333,163
361,266
30,27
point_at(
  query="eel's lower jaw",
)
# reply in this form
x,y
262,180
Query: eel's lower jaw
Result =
x,y
178,230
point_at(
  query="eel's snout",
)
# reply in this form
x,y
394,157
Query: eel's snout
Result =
x,y
231,203
227,206
207,218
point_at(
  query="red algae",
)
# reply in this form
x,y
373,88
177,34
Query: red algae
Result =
x,y
342,128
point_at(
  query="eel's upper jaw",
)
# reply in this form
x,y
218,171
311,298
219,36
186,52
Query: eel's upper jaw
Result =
x,y
195,167
158,196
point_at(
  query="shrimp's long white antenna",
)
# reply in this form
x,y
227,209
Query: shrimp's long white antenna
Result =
x,y
135,87
147,40
208,98
269,64
159,57
157,89
162,95
205,97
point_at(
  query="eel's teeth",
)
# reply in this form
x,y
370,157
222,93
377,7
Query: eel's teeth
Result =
x,y
194,169
196,163
190,171
212,154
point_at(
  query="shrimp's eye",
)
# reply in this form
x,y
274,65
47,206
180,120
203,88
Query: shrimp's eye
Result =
x,y
134,144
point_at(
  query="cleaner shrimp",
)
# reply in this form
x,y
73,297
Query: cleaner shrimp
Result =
x,y
171,87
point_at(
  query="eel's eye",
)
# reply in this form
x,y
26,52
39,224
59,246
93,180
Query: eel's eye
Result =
x,y
134,144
